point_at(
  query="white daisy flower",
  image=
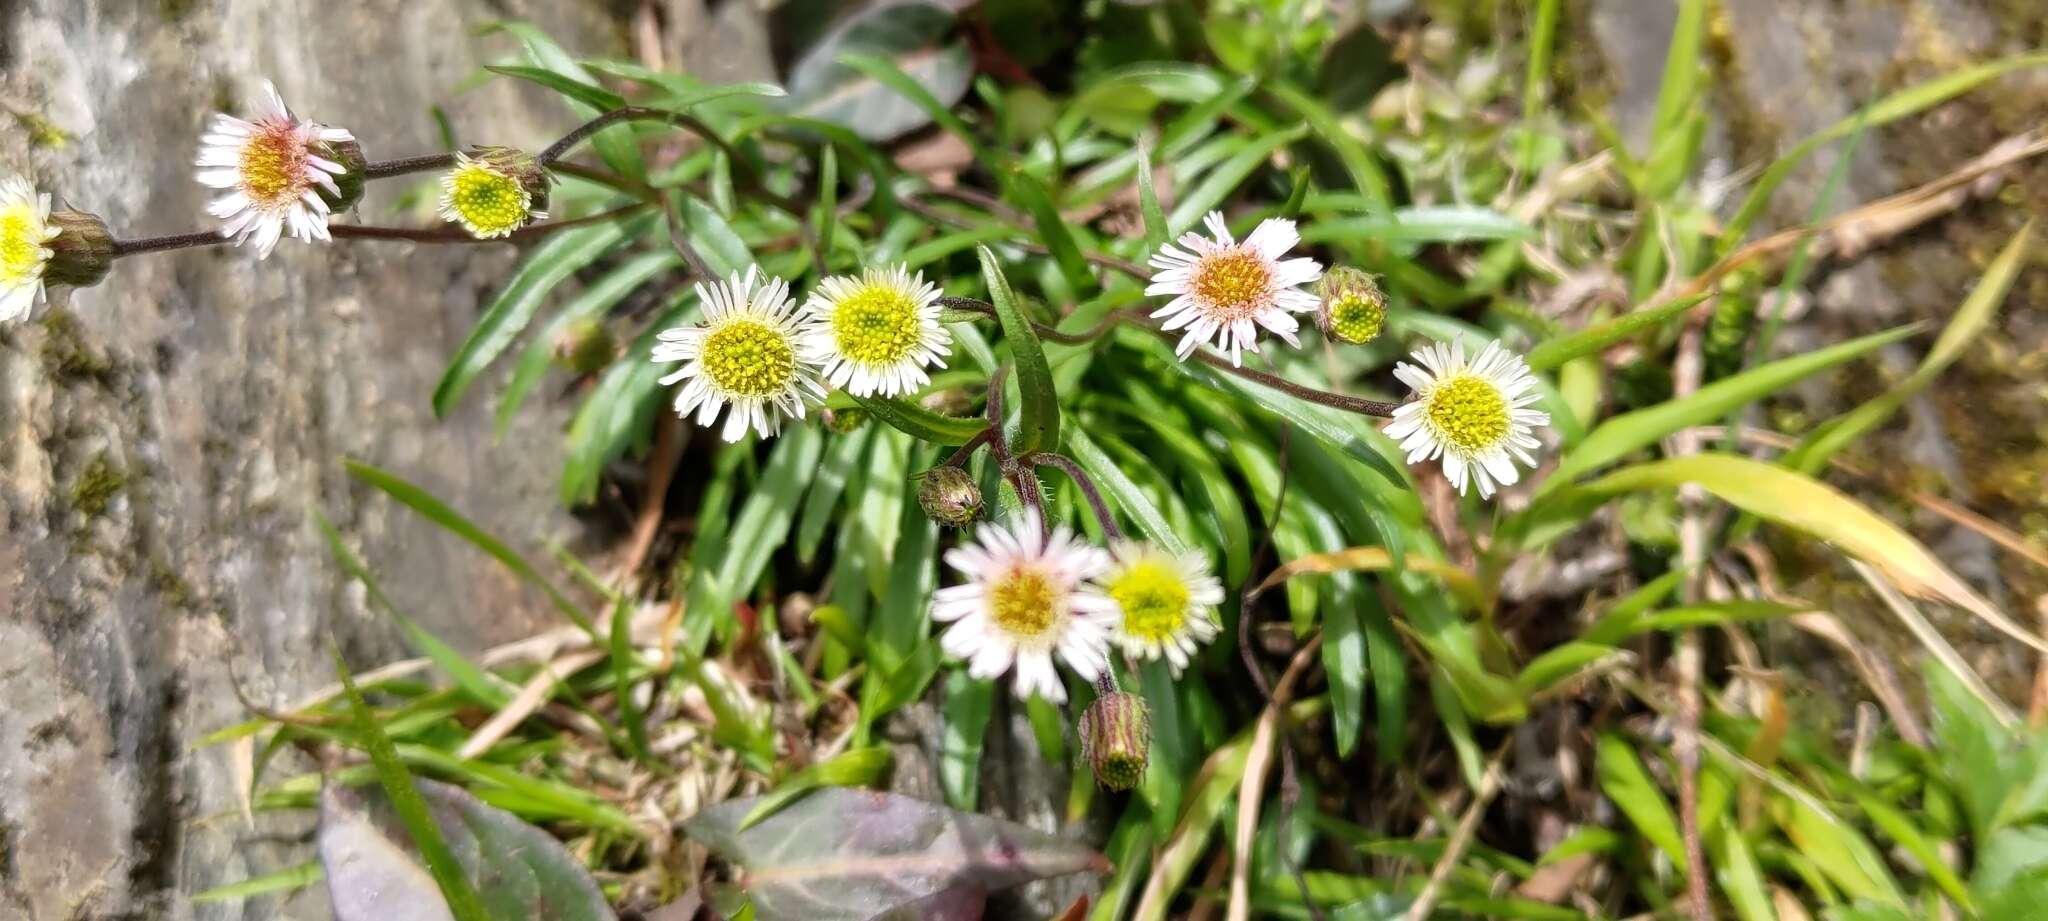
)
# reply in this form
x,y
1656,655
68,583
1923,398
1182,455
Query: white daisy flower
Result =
x,y
271,172
743,356
874,334
1165,603
486,198
25,228
1475,415
1225,290
1026,598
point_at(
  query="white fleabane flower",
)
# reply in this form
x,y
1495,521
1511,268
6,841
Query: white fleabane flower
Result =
x,y
271,171
1027,597
1164,602
25,231
1225,290
742,358
875,334
1474,415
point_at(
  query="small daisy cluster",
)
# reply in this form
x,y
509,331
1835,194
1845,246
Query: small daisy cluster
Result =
x,y
1031,595
758,359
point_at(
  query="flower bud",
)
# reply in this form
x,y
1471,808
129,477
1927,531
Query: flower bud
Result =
x,y
1116,738
349,184
1353,308
81,252
845,421
948,496
585,347
949,401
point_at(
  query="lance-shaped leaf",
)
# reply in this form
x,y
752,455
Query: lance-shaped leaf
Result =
x,y
519,871
1038,425
852,855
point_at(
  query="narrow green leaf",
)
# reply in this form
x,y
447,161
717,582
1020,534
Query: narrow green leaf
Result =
x,y
614,144
1839,850
760,527
1148,198
1052,229
966,704
1208,194
921,423
1902,829
1433,224
515,304
828,201
1624,780
1366,175
884,71
623,662
434,510
1629,432
714,238
1669,154
859,767
463,902
287,879
591,95
592,303
1119,488
1554,352
1039,424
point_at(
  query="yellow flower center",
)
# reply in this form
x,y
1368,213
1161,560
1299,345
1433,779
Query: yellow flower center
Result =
x,y
273,165
21,246
1021,603
1233,282
1468,413
749,358
1154,600
876,325
1355,319
488,202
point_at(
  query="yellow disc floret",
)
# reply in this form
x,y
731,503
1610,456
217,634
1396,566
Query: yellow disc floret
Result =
x,y
749,358
1468,413
877,324
1154,599
1021,602
273,165
487,202
1235,282
22,253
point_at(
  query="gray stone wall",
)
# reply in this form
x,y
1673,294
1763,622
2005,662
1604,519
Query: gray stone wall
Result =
x,y
162,435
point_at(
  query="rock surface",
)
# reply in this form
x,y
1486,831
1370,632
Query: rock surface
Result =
x,y
163,435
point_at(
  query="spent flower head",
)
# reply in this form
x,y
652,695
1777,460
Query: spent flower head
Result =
x,y
494,192
25,252
1475,415
743,358
1165,603
1026,598
277,174
1353,310
1225,290
874,334
1116,739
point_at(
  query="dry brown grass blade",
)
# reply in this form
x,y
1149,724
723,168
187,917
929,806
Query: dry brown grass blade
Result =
x,y
1258,763
1461,837
530,698
1917,624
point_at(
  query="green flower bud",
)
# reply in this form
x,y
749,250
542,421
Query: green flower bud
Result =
x,y
948,496
82,251
1353,309
585,347
1116,738
349,185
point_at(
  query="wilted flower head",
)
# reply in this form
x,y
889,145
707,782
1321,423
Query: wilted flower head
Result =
x,y
494,192
1474,415
948,495
1026,598
1116,738
876,333
1164,602
1225,290
743,356
277,174
25,235
1353,309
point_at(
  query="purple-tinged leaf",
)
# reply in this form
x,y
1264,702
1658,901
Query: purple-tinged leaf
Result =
x,y
856,855
521,872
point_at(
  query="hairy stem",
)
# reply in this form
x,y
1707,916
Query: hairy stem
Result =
x,y
173,241
383,169
1087,485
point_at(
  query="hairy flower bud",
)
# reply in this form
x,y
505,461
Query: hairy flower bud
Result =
x,y
1353,309
948,496
81,252
585,347
1116,738
845,421
349,183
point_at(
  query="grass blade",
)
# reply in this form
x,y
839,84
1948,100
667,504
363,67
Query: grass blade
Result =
x,y
1038,427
